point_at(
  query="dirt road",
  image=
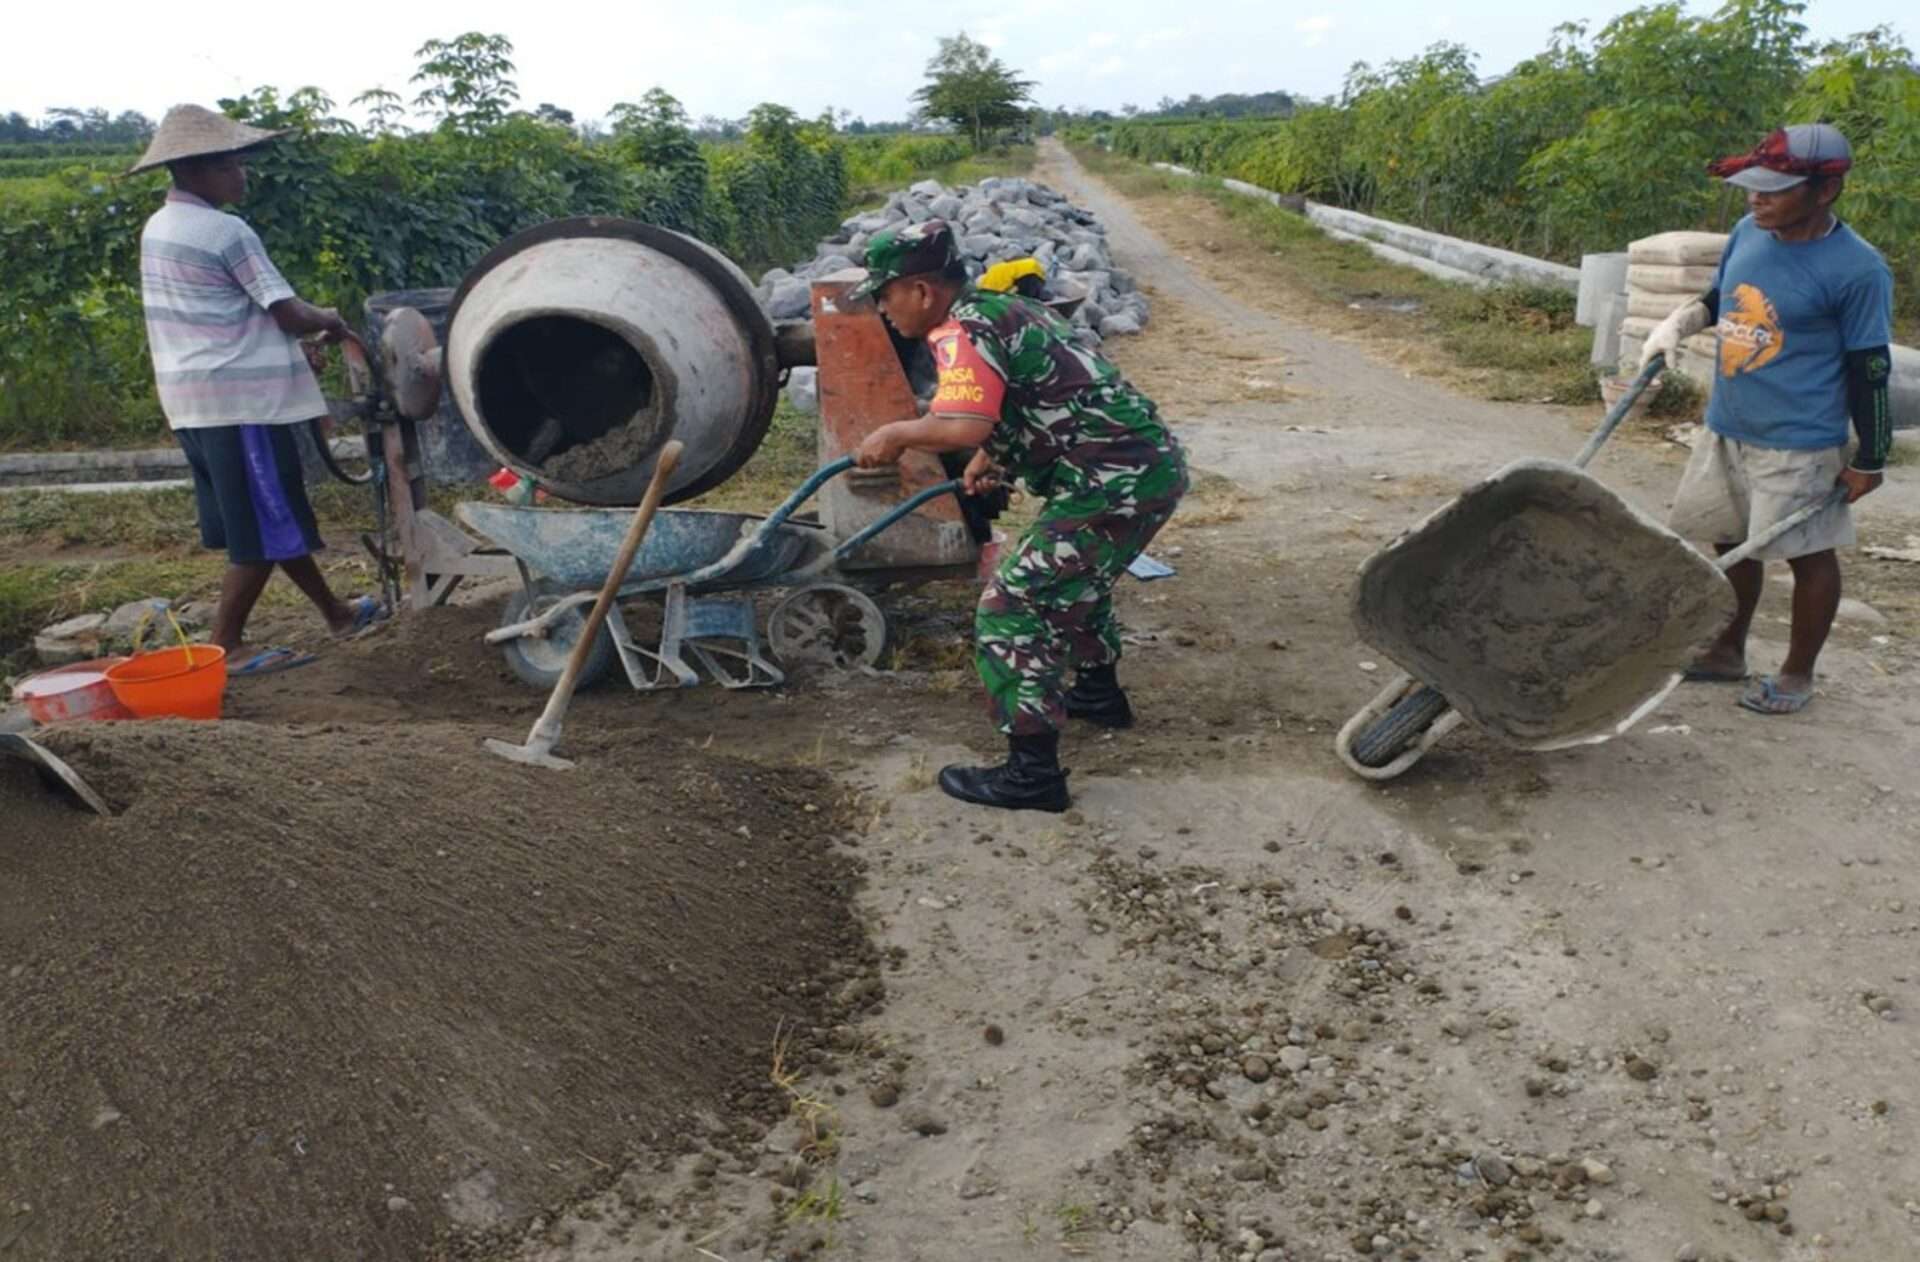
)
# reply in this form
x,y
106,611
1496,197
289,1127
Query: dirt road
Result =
x,y
1648,1001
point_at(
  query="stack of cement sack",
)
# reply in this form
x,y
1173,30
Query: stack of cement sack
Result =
x,y
1663,272
995,220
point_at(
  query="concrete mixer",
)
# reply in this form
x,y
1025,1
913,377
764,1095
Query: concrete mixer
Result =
x,y
574,351
577,348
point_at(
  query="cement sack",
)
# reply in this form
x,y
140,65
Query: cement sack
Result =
x,y
1653,306
1678,249
1665,278
1698,354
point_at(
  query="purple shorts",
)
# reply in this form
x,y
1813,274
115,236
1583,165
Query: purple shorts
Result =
x,y
249,492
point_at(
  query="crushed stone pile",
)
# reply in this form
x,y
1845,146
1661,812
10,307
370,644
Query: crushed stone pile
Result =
x,y
994,220
357,990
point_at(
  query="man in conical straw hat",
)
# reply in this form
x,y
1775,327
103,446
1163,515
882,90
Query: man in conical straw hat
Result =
x,y
224,328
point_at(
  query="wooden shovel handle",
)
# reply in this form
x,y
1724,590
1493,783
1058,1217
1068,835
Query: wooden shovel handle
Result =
x,y
616,578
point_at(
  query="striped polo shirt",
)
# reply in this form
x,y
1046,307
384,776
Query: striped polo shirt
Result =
x,y
218,357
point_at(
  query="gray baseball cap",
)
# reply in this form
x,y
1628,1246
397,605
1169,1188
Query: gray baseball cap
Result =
x,y
1788,156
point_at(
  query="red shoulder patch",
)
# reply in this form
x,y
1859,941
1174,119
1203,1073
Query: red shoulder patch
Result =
x,y
969,386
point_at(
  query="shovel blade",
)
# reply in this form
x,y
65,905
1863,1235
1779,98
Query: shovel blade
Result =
x,y
54,767
533,754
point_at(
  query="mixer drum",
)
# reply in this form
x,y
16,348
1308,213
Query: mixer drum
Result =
x,y
577,348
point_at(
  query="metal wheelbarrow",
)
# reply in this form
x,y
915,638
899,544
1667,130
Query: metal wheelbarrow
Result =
x,y
703,566
1538,604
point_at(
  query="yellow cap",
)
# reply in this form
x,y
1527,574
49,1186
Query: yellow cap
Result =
x,y
1002,277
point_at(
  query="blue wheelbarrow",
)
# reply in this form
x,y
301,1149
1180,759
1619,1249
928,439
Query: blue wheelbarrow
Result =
x,y
703,567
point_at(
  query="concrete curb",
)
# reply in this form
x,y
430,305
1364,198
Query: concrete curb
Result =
x,y
48,469
1436,254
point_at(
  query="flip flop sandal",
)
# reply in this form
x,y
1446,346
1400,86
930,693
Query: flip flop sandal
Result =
x,y
368,613
270,662
1767,697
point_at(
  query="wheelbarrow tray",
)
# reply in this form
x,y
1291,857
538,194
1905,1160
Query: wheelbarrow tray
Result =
x,y
575,547
1546,609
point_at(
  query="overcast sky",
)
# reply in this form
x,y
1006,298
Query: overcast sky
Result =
x,y
724,56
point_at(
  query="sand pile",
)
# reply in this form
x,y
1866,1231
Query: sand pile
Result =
x,y
336,991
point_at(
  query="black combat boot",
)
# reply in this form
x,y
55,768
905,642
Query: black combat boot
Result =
x,y
1029,780
1097,697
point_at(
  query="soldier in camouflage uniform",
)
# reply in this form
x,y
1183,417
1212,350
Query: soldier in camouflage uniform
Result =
x,y
1059,418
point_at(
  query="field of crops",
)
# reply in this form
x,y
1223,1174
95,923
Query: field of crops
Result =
x,y
1593,142
346,214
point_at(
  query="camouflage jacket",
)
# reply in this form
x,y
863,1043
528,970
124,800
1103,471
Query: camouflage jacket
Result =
x,y
1068,422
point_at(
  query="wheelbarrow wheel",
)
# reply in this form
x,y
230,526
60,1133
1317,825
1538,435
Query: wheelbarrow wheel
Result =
x,y
1399,727
540,660
827,624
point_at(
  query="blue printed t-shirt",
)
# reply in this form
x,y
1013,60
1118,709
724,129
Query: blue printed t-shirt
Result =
x,y
1789,312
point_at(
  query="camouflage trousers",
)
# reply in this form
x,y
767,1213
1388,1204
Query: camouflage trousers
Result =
x,y
1049,605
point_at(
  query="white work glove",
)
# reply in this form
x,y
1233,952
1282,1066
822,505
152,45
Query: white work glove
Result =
x,y
1683,323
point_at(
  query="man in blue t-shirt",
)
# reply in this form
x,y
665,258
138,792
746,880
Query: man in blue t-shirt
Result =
x,y
1802,310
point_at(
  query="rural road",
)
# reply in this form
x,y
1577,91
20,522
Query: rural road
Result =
x,y
1647,1001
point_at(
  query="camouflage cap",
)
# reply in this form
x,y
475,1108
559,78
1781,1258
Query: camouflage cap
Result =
x,y
910,250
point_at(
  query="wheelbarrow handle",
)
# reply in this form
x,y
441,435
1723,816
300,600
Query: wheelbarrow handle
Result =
x,y
740,551
1838,495
1618,411
892,515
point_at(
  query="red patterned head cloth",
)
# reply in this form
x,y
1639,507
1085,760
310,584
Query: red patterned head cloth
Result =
x,y
1788,156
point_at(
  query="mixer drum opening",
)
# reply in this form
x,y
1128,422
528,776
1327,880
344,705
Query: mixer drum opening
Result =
x,y
577,348
570,396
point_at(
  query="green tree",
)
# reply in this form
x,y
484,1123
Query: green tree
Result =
x,y
972,89
1869,87
654,136
467,81
386,110
1674,92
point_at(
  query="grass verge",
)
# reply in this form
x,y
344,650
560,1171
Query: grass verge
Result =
x,y
34,595
1508,342
72,554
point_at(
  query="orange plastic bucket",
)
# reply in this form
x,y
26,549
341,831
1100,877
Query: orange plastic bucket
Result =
x,y
188,682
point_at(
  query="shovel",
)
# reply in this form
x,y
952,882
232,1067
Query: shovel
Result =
x,y
538,748
52,768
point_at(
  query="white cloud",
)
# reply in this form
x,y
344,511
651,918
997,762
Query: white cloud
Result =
x,y
1153,39
1102,39
1111,66
1315,29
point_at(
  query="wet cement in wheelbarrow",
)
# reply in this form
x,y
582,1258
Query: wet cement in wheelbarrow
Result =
x,y
1543,606
365,991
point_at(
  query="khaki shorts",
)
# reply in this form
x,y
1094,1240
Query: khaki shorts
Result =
x,y
1732,490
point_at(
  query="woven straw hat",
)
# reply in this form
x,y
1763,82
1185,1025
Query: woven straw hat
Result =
x,y
193,131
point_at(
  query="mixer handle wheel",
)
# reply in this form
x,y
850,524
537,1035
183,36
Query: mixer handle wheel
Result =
x,y
325,430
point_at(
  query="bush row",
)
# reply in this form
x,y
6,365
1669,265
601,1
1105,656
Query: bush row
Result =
x,y
346,215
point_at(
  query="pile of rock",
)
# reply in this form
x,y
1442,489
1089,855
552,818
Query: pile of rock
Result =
x,y
91,635
995,220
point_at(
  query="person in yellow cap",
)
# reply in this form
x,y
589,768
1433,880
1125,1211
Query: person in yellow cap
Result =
x,y
223,327
1025,277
